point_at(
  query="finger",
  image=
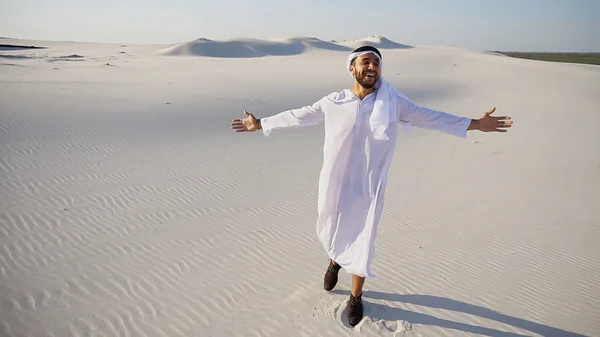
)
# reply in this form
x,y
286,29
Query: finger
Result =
x,y
502,117
246,113
491,111
238,126
500,130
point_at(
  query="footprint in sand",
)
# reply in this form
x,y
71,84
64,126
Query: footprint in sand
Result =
x,y
394,327
317,311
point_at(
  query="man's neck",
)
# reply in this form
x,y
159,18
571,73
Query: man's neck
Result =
x,y
360,91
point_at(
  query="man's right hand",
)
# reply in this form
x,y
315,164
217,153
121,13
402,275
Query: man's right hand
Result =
x,y
248,124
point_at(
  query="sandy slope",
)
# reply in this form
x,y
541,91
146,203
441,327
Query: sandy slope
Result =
x,y
129,208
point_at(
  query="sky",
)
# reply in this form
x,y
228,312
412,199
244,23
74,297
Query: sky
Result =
x,y
505,25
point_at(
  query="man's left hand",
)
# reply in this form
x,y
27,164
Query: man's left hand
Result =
x,y
489,123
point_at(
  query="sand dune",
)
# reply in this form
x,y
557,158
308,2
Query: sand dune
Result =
x,y
125,216
244,48
247,48
375,40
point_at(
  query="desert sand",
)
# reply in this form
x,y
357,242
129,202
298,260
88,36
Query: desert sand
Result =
x,y
130,208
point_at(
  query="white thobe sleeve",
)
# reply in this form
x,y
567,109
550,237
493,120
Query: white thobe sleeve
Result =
x,y
294,118
431,119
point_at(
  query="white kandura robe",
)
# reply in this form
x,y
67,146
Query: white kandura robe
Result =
x,y
354,174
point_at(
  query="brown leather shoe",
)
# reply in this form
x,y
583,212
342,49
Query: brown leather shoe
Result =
x,y
331,276
355,309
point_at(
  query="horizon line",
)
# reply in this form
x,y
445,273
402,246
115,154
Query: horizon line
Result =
x,y
271,39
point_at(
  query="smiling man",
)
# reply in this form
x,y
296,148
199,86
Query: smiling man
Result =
x,y
361,127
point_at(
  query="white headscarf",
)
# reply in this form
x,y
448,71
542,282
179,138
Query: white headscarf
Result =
x,y
385,107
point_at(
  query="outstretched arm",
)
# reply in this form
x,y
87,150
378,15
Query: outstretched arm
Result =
x,y
431,119
304,116
442,121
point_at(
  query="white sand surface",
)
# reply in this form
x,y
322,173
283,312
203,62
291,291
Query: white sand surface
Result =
x,y
130,208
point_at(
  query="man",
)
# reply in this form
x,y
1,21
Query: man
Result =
x,y
360,136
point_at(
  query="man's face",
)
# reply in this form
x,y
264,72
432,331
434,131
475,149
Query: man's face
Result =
x,y
366,70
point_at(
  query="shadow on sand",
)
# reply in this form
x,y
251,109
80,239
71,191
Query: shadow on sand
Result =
x,y
380,312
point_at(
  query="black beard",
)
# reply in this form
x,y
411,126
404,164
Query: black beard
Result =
x,y
362,82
